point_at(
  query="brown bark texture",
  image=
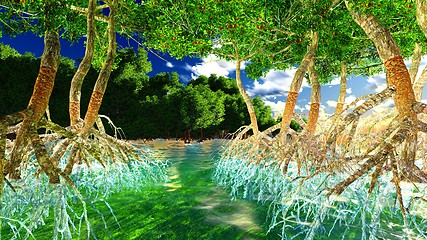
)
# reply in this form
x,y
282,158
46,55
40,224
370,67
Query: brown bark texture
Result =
x,y
397,76
46,77
296,85
104,75
397,73
39,100
248,102
82,70
313,115
342,93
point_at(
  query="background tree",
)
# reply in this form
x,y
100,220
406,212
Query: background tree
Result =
x,y
201,107
233,30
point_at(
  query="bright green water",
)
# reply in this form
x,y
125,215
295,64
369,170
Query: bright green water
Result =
x,y
189,206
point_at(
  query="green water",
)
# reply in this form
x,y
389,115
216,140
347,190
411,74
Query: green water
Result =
x,y
188,206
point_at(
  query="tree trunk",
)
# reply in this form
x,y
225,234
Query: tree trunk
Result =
x,y
313,115
104,75
296,86
343,92
397,75
39,100
248,102
82,70
415,63
419,85
422,15
422,22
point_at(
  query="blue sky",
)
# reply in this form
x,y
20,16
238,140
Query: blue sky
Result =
x,y
273,88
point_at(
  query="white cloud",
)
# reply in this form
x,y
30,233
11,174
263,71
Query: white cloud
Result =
x,y
331,103
169,65
348,91
276,107
212,65
389,103
377,82
350,99
275,83
335,81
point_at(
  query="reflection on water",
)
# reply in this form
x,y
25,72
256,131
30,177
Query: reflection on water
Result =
x,y
189,205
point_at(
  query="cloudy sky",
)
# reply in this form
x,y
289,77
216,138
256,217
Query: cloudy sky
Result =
x,y
273,88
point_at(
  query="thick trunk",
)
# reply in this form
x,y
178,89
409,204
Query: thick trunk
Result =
x,y
39,100
397,75
248,102
415,63
313,115
343,92
396,70
104,75
77,81
46,76
296,85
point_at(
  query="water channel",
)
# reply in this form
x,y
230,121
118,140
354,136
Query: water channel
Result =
x,y
188,206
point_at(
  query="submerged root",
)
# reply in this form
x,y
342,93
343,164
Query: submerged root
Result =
x,y
356,171
55,169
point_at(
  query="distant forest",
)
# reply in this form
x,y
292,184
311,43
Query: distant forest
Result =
x,y
143,107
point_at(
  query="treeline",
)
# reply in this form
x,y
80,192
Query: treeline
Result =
x,y
143,107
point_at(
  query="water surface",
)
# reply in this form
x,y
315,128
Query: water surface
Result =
x,y
188,206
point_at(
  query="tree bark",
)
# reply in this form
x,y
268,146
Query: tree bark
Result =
x,y
313,115
248,102
415,62
422,22
296,86
82,70
397,75
104,75
342,93
422,15
419,85
39,100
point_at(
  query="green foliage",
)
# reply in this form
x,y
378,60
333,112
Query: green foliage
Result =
x,y
201,107
6,51
134,67
295,126
17,77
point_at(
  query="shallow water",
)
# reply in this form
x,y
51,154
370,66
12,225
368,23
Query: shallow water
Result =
x,y
188,206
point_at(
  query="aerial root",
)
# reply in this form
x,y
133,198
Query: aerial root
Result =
x,y
383,152
354,115
60,150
